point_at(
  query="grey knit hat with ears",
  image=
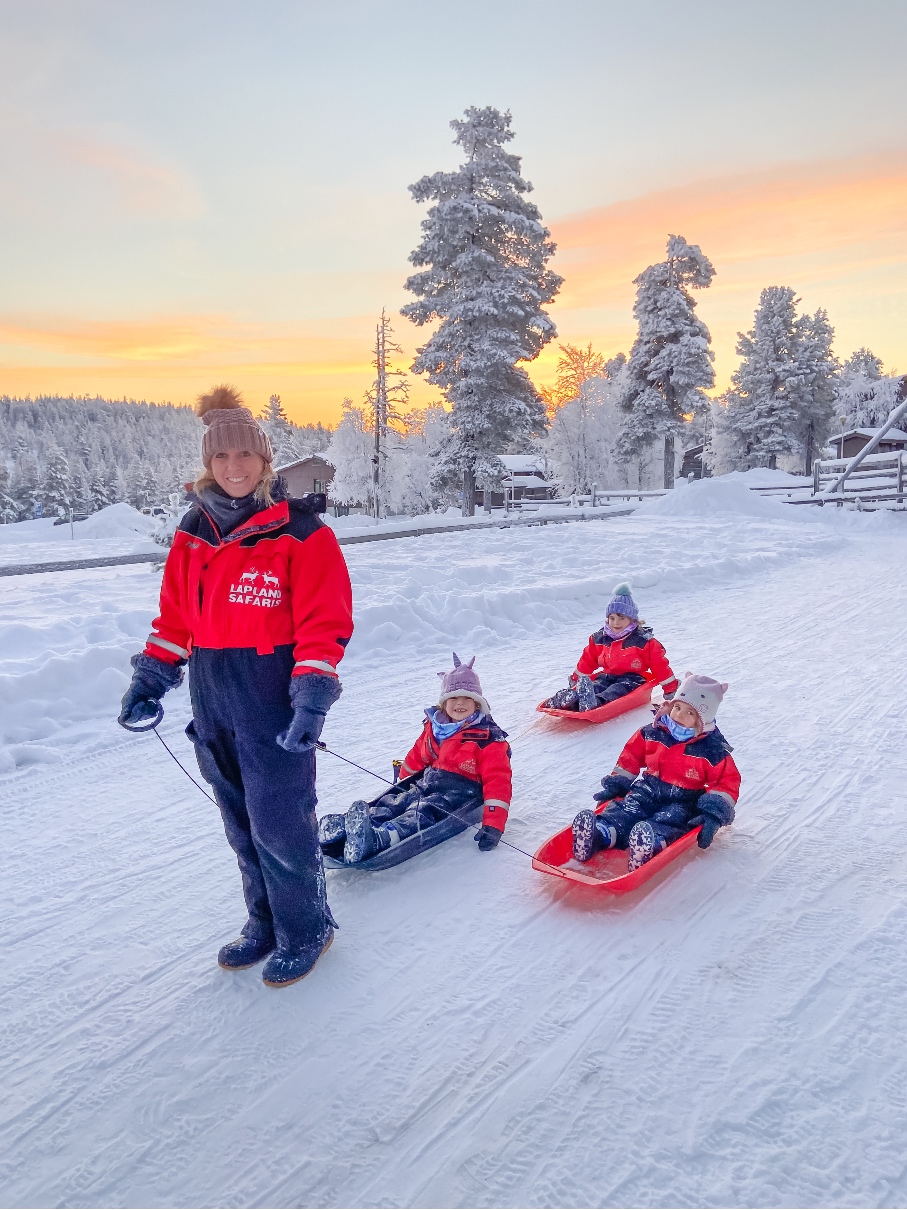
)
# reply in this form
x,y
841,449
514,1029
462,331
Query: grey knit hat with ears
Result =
x,y
704,696
229,426
462,681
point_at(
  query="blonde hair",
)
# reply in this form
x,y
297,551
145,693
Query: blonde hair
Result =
x,y
262,487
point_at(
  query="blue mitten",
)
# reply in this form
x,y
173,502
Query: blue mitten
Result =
x,y
312,696
151,679
613,786
716,812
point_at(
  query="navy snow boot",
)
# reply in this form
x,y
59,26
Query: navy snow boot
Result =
x,y
362,839
564,699
282,968
331,828
585,692
644,844
244,952
587,836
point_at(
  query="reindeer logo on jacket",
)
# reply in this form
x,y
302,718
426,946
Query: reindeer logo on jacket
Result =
x,y
247,592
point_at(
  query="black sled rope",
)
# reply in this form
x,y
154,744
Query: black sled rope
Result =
x,y
324,748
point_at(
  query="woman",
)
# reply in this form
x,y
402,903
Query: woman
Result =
x,y
256,596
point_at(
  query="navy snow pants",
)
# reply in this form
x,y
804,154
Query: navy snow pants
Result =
x,y
432,796
607,688
240,704
668,809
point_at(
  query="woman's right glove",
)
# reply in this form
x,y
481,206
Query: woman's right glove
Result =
x,y
151,679
311,696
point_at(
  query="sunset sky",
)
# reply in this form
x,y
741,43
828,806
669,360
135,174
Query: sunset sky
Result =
x,y
216,190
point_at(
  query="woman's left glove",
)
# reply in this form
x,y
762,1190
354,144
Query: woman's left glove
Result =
x,y
151,679
488,837
312,696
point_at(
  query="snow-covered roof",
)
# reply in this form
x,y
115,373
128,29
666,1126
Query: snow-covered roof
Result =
x,y
891,435
286,466
526,481
522,462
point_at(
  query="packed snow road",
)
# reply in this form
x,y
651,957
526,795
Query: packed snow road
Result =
x,y
479,1034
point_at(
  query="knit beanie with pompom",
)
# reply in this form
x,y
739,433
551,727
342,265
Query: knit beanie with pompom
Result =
x,y
622,602
229,426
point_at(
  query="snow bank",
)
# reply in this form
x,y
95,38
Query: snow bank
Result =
x,y
118,529
116,521
762,476
717,497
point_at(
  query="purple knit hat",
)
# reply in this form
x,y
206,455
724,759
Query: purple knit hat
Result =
x,y
622,602
462,681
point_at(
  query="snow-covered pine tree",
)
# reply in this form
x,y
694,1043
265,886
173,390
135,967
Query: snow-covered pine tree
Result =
x,y
57,493
863,394
814,389
9,511
670,363
25,488
278,427
486,279
781,399
350,453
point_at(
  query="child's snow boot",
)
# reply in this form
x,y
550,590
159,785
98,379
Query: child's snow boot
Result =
x,y
282,968
590,835
331,828
585,693
564,699
244,952
363,840
644,844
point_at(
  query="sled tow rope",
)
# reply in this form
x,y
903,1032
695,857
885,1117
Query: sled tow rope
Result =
x,y
324,748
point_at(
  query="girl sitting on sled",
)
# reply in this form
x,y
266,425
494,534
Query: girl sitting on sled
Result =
x,y
617,659
672,776
461,760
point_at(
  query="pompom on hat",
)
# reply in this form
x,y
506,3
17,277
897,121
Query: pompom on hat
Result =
x,y
622,602
229,425
462,681
703,695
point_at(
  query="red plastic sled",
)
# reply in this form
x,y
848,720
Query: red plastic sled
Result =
x,y
607,871
630,701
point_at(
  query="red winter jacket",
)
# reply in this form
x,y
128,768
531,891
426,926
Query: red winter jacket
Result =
x,y
639,652
702,763
479,752
278,578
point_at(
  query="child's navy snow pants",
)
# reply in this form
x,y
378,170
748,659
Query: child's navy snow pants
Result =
x,y
609,688
240,704
436,794
668,808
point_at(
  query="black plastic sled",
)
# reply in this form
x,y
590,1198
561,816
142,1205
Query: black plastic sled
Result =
x,y
437,833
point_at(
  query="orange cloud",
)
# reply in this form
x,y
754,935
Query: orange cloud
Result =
x,y
311,365
835,232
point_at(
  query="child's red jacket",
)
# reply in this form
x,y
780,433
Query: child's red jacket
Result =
x,y
701,763
279,578
639,652
479,752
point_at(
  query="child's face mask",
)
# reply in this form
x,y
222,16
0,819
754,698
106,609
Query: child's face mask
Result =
x,y
679,733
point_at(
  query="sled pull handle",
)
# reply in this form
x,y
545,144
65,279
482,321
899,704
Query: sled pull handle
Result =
x,y
150,725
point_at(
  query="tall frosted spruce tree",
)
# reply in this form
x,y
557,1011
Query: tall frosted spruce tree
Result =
x,y
781,402
483,273
670,363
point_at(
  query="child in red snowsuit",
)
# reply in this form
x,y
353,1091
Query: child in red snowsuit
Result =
x,y
672,776
461,760
617,659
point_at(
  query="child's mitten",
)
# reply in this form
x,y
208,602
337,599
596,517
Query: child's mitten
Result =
x,y
613,786
717,811
488,837
312,696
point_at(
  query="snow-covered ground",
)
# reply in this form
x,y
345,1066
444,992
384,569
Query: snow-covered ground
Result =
x,y
479,1034
118,529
